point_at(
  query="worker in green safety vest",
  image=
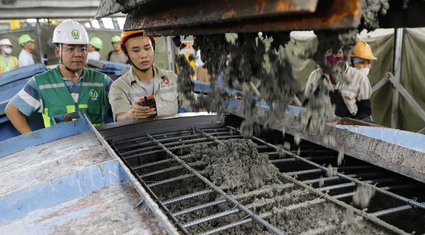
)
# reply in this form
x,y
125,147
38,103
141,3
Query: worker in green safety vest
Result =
x,y
66,92
7,61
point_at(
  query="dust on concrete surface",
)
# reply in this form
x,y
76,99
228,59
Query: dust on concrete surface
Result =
x,y
242,164
51,160
107,211
241,171
242,58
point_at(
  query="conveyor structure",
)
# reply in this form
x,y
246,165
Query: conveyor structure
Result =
x,y
186,17
76,178
149,164
161,156
376,156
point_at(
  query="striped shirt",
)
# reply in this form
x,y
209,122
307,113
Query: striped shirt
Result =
x,y
28,99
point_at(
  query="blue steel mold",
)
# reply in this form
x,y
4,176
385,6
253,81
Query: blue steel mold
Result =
x,y
399,137
10,84
59,190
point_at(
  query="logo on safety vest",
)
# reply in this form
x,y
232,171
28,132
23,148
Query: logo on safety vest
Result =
x,y
165,80
93,94
75,34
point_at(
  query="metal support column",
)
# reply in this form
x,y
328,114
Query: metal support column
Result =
x,y
171,54
40,45
398,49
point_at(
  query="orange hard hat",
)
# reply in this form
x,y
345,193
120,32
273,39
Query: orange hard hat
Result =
x,y
129,33
362,50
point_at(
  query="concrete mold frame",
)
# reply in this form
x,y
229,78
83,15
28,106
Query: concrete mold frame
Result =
x,y
66,179
395,150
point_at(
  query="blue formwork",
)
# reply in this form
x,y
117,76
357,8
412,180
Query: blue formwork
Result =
x,y
45,135
112,69
407,139
10,84
63,178
15,204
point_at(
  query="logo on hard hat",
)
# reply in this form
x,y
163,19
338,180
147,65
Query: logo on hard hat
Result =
x,y
93,94
75,34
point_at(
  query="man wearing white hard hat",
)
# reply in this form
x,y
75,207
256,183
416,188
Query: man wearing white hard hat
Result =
x,y
7,60
66,92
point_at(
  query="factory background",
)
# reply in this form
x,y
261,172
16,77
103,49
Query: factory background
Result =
x,y
201,173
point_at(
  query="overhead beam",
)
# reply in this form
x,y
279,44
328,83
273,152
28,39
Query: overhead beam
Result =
x,y
110,7
182,14
205,16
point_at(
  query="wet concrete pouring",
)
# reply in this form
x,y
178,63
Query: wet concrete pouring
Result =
x,y
249,177
254,64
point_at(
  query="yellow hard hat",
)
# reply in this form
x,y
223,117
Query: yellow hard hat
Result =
x,y
130,33
126,34
362,50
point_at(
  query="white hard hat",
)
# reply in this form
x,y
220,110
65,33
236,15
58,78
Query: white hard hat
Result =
x,y
5,41
70,32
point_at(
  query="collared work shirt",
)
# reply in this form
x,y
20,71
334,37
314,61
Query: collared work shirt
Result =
x,y
355,87
128,89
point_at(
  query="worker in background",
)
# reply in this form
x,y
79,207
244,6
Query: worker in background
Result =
x,y
201,73
7,60
144,79
185,60
27,44
117,55
94,48
350,93
67,91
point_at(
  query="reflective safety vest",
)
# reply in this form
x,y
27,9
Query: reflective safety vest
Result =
x,y
57,99
13,64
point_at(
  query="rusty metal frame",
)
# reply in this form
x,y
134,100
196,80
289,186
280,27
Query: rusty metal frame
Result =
x,y
220,16
110,7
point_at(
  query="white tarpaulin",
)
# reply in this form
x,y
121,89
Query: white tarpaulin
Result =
x,y
412,76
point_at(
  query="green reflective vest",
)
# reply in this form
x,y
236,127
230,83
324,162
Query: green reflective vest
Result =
x,y
57,99
13,64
